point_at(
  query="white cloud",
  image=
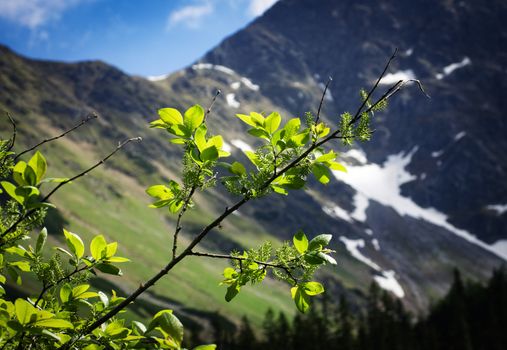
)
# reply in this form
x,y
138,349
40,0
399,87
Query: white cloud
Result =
x,y
190,16
34,13
257,7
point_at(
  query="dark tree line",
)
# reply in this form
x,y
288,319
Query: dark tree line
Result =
x,y
470,317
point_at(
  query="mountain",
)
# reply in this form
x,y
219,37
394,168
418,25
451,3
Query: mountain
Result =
x,y
427,194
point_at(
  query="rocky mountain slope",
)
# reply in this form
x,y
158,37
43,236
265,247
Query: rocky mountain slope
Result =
x,y
425,195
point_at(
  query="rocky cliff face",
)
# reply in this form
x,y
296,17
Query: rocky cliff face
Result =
x,y
427,194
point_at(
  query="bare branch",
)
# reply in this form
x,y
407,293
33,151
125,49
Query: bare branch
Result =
x,y
84,121
358,113
208,111
31,211
329,80
14,131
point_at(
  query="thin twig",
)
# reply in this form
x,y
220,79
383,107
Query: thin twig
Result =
x,y
208,111
102,161
51,285
241,259
189,249
81,123
192,190
358,112
14,131
329,80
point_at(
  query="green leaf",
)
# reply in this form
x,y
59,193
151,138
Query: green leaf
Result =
x,y
18,173
209,154
98,246
291,128
336,166
111,249
320,241
25,312
54,323
30,176
300,242
205,347
117,259
74,243
229,273
172,326
109,269
329,259
22,265
272,122
279,189
11,191
237,168
170,116
300,298
194,117
39,165
247,119
232,291
200,137
41,240
257,118
321,173
65,292
160,191
313,288
300,139
331,155
178,141
258,132
253,158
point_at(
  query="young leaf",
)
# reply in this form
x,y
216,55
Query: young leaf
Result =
x,y
313,288
320,241
171,325
41,240
24,311
209,154
53,323
18,172
109,269
98,246
39,165
194,117
247,119
74,243
170,116
11,191
300,298
272,122
205,347
300,242
321,173
237,168
232,291
65,292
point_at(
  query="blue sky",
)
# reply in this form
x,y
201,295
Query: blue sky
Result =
x,y
142,37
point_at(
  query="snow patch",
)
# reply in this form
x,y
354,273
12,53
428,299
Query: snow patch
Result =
x,y
231,100
356,154
437,153
459,136
352,246
409,52
247,82
382,183
393,78
361,203
452,67
375,244
235,85
388,282
336,212
385,279
500,246
499,208
328,96
242,145
369,231
157,77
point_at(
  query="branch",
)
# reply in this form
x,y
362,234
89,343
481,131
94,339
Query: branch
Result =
x,y
208,111
189,249
51,285
14,131
84,121
31,211
358,112
329,80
